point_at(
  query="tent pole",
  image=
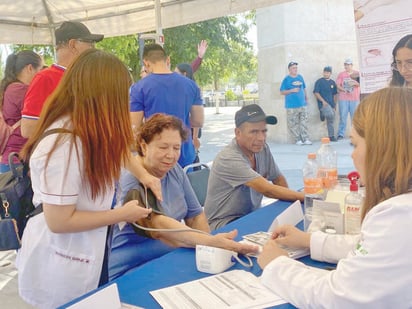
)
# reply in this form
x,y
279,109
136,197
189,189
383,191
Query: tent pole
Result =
x,y
158,16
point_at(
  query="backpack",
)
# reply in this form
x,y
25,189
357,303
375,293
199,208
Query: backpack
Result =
x,y
5,132
16,193
16,196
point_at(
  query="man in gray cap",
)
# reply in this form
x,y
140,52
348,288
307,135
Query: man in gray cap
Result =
x,y
72,38
244,171
348,95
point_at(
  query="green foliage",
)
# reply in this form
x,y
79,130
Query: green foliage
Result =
x,y
250,96
229,56
126,48
220,33
45,51
243,64
230,95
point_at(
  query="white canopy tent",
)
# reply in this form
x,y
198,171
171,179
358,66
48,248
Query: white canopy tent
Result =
x,y
34,21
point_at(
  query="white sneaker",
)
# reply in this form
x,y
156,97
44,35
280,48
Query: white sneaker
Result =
x,y
300,143
307,142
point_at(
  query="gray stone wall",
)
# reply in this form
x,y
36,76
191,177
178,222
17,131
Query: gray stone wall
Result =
x,y
314,33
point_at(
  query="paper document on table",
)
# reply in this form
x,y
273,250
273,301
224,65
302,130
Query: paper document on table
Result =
x,y
267,201
107,297
292,215
236,289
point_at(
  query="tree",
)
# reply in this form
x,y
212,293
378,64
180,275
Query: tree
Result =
x,y
46,51
219,65
126,48
181,44
243,65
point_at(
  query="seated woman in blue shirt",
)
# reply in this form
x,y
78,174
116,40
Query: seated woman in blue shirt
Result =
x,y
158,145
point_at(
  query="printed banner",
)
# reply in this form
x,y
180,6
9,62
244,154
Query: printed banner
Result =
x,y
379,26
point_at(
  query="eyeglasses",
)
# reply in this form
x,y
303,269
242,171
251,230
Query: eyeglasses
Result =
x,y
397,66
91,43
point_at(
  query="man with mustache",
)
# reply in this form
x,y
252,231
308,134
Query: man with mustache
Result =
x,y
245,171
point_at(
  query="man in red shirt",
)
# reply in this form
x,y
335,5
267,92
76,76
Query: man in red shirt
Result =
x,y
72,38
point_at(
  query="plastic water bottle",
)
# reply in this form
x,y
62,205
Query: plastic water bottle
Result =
x,y
313,188
311,181
353,205
327,164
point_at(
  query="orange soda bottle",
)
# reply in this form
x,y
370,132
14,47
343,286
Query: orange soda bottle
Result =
x,y
313,188
327,164
312,183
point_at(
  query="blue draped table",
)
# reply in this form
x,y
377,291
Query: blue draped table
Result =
x,y
179,266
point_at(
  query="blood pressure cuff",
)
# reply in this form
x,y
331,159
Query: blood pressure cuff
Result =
x,y
139,194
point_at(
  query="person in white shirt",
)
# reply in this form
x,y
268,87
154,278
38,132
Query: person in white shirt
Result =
x,y
73,172
375,271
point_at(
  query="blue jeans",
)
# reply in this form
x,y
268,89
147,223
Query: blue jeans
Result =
x,y
345,108
131,250
329,114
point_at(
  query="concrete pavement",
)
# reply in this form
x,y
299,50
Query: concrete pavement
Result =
x,y
217,132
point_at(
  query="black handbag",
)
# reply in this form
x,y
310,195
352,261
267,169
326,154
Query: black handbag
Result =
x,y
16,194
9,239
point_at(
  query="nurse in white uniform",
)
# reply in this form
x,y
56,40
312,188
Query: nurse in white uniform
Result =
x,y
73,176
374,272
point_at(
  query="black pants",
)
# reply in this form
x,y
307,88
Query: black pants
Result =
x,y
104,275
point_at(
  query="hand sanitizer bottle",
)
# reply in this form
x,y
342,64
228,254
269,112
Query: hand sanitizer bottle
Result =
x,y
353,206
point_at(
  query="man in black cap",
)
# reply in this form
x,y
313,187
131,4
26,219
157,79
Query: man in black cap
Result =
x,y
245,171
326,94
72,38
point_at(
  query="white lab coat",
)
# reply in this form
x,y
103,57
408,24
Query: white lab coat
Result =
x,y
55,268
331,247
377,272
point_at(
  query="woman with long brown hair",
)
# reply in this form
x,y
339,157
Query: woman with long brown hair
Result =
x,y
73,175
375,271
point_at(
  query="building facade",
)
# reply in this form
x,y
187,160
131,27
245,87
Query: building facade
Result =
x,y
314,33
